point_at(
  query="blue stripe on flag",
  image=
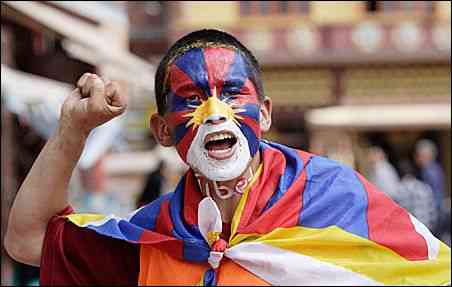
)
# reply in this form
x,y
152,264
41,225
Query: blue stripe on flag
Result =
x,y
118,229
147,216
195,247
294,166
334,196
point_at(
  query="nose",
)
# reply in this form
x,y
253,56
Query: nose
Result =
x,y
215,119
215,111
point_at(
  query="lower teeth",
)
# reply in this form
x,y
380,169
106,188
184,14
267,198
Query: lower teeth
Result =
x,y
222,150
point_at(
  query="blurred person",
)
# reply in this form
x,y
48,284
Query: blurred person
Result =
x,y
432,174
154,185
247,212
416,196
382,173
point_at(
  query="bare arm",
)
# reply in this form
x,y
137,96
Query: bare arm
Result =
x,y
44,191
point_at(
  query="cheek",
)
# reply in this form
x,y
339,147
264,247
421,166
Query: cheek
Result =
x,y
186,137
249,94
176,119
250,116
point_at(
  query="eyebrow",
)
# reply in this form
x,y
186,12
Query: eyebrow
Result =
x,y
233,83
186,86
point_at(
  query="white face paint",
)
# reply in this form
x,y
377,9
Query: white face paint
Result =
x,y
219,170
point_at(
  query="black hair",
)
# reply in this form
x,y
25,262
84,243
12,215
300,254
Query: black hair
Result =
x,y
202,39
406,167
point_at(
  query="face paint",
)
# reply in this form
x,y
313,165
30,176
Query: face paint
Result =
x,y
214,111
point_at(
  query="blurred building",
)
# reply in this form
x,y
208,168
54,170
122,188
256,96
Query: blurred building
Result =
x,y
45,48
349,74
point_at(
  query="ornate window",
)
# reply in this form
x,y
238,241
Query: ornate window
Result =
x,y
400,7
266,8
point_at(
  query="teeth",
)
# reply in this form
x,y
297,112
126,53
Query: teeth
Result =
x,y
221,151
218,137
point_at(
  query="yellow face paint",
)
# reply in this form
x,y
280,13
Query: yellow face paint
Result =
x,y
213,106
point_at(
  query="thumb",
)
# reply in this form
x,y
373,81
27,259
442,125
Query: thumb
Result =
x,y
116,111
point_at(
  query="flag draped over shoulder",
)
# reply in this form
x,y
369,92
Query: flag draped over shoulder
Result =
x,y
304,220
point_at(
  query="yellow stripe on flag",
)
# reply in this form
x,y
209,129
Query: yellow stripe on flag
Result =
x,y
336,246
83,219
239,210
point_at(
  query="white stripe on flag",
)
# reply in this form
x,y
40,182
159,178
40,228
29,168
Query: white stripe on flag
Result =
x,y
432,241
282,267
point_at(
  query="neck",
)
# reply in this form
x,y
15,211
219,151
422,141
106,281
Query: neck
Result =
x,y
228,205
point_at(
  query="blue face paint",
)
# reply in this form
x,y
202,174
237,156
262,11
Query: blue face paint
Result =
x,y
195,76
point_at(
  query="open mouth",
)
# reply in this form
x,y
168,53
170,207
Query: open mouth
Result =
x,y
220,145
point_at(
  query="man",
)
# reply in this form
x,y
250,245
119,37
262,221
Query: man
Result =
x,y
153,186
248,212
432,174
416,196
382,173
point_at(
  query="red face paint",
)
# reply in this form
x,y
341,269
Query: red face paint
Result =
x,y
192,79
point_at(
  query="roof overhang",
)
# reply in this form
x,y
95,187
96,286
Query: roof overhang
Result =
x,y
86,42
381,117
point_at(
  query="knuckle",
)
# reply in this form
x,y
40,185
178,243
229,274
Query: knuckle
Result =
x,y
115,86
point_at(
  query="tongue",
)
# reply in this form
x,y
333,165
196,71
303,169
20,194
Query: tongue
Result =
x,y
218,145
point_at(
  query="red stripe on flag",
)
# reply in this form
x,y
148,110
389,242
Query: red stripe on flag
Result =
x,y
305,157
162,242
164,224
286,211
261,193
391,226
192,197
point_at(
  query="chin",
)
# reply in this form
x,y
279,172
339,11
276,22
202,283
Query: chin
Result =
x,y
219,163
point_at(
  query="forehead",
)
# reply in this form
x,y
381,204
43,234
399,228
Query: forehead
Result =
x,y
209,67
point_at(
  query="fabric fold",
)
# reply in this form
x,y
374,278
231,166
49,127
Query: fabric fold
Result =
x,y
304,220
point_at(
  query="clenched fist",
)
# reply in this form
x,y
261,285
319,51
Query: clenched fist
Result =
x,y
91,104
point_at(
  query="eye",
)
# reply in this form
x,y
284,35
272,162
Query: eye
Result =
x,y
193,99
231,94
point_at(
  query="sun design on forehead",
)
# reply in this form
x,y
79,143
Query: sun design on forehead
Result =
x,y
214,106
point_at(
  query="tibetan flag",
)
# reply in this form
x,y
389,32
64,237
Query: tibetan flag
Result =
x,y
303,220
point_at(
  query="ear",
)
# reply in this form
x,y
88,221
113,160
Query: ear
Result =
x,y
161,130
265,119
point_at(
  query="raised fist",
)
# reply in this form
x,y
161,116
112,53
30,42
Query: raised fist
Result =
x,y
95,101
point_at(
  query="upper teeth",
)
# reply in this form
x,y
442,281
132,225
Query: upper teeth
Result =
x,y
223,136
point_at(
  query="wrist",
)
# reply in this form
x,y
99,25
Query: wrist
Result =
x,y
72,135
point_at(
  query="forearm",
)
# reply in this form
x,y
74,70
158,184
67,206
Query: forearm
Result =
x,y
44,192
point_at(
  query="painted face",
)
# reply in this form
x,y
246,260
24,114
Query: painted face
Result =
x,y
214,110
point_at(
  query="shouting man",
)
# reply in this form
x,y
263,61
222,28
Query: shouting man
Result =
x,y
247,212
